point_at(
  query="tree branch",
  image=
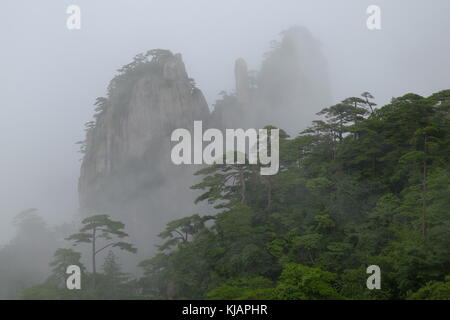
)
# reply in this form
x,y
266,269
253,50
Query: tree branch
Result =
x,y
108,245
181,235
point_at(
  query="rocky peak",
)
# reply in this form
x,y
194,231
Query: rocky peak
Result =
x,y
147,100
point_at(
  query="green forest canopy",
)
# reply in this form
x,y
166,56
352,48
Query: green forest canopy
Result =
x,y
362,186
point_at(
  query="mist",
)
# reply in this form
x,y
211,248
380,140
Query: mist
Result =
x,y
52,75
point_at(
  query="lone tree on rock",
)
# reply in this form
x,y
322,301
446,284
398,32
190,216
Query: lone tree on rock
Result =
x,y
101,227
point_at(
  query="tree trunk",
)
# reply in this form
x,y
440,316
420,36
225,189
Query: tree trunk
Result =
x,y
94,271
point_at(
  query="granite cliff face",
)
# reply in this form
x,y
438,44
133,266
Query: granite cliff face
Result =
x,y
127,171
290,87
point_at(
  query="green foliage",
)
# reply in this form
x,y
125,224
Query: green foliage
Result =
x,y
112,283
40,292
365,186
298,282
24,259
434,290
181,230
61,260
101,227
257,288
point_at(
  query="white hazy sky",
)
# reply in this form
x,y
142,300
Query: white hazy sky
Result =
x,y
50,76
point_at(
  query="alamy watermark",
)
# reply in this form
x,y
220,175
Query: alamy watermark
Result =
x,y
74,20
240,147
374,280
374,20
73,281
